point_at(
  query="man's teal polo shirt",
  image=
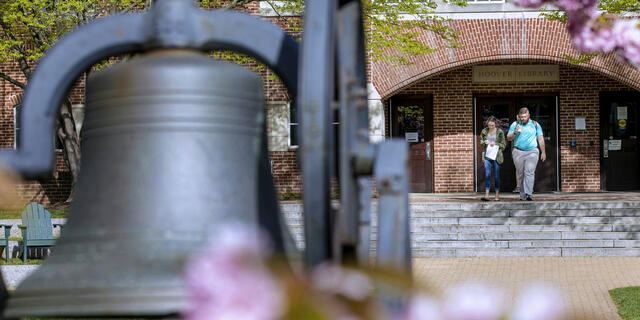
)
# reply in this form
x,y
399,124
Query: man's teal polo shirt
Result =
x,y
527,139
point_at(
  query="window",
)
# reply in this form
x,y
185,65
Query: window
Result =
x,y
16,129
293,125
484,1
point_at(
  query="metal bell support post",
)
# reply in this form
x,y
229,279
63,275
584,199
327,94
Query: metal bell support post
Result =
x,y
344,236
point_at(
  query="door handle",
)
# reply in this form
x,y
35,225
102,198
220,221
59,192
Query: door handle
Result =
x,y
427,150
605,148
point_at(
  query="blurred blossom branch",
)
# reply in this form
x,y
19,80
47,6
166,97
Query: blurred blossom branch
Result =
x,y
238,278
594,32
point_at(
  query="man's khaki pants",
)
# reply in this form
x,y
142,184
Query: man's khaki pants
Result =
x,y
526,162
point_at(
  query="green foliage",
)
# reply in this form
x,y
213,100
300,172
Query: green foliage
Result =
x,y
627,300
582,58
28,28
290,196
557,15
619,6
18,261
393,27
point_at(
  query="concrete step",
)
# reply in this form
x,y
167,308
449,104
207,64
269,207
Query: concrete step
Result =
x,y
524,205
513,229
495,206
524,221
493,236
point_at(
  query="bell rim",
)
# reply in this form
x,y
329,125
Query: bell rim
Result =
x,y
122,302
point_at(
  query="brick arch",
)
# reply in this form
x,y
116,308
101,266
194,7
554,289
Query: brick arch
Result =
x,y
15,99
485,41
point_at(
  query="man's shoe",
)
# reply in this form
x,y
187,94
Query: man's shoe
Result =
x,y
516,190
529,198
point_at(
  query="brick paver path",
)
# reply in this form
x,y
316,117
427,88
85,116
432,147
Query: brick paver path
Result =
x,y
585,281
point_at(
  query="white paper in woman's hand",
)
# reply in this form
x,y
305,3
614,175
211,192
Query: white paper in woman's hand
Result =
x,y
492,152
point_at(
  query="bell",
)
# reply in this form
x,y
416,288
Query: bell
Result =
x,y
170,140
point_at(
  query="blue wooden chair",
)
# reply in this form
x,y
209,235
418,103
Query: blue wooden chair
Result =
x,y
36,228
7,234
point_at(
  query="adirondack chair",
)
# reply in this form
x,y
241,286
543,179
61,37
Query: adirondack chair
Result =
x,y
36,228
7,233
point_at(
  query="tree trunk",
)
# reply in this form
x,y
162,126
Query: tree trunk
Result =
x,y
66,132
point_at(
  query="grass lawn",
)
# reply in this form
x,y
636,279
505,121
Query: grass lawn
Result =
x,y
628,302
18,261
17,214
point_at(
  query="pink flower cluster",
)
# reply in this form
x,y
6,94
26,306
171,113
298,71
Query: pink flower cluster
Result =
x,y
475,301
230,281
591,35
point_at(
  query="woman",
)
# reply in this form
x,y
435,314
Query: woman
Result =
x,y
492,138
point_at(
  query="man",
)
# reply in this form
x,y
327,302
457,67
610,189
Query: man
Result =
x,y
517,189
527,137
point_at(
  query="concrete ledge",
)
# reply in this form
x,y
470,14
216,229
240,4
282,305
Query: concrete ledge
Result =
x,y
13,275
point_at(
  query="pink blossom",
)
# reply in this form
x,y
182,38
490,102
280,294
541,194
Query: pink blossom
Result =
x,y
588,37
627,36
538,302
529,3
422,307
586,7
473,301
230,280
590,41
350,283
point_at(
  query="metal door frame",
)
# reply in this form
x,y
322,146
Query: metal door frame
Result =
x,y
505,95
393,117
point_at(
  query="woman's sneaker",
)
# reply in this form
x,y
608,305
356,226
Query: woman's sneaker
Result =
x,y
516,190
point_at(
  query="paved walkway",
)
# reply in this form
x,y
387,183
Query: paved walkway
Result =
x,y
585,281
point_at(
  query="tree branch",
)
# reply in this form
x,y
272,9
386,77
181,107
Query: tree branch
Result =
x,y
273,7
11,80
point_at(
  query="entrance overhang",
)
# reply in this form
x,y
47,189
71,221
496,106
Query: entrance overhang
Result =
x,y
486,41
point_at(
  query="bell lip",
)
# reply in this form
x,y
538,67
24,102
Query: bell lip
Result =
x,y
124,302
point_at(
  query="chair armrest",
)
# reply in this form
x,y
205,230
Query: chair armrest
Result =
x,y
7,230
23,230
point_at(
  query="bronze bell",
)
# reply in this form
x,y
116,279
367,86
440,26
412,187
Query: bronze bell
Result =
x,y
171,140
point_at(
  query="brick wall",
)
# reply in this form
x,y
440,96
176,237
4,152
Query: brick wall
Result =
x,y
57,186
286,174
453,92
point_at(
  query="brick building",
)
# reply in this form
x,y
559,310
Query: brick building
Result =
x,y
510,58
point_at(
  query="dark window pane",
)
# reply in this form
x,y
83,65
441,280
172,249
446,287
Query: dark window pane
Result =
x,y
293,135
